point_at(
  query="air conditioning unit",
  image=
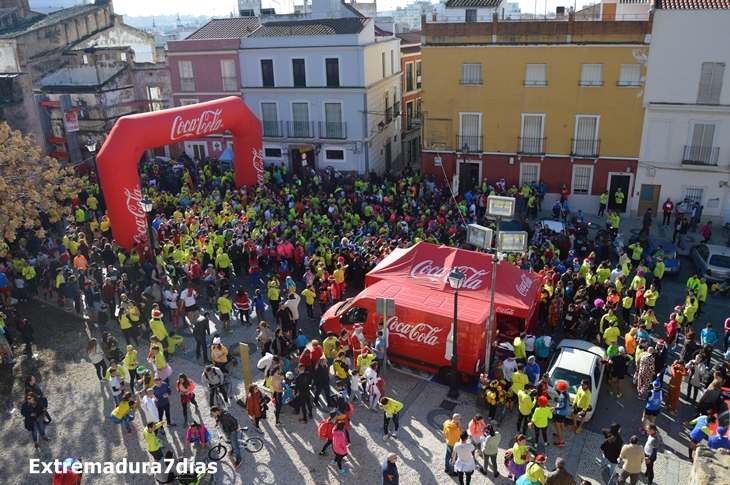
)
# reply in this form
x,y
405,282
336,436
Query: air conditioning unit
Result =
x,y
436,161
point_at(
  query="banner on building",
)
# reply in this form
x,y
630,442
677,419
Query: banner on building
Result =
x,y
72,122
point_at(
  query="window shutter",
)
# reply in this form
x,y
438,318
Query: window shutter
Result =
x,y
592,75
630,75
718,72
300,111
535,74
268,111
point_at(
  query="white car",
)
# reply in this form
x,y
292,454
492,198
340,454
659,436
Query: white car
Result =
x,y
574,361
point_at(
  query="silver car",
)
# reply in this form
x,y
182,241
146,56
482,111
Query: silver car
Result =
x,y
712,261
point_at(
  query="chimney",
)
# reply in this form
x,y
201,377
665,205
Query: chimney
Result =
x,y
559,12
15,4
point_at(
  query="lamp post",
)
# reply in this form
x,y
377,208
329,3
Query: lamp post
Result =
x,y
146,205
456,279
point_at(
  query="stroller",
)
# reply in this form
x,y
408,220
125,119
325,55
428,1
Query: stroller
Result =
x,y
721,288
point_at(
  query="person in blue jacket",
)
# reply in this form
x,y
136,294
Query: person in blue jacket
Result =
x,y
653,405
700,431
390,470
719,441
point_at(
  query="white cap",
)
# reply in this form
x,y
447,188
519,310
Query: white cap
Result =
x,y
217,340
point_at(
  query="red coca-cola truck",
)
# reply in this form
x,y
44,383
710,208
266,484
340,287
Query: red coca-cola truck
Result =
x,y
420,333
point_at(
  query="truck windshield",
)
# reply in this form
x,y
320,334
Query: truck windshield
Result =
x,y
344,307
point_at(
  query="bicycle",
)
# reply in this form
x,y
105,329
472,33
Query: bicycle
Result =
x,y
227,385
201,478
251,444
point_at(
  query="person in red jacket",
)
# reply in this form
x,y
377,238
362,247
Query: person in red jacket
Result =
x,y
256,405
357,341
317,352
667,209
243,303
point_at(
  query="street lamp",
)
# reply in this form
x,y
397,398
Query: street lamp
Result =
x,y
456,280
465,149
91,145
146,205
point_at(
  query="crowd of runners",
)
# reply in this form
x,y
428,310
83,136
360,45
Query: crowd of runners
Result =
x,y
251,256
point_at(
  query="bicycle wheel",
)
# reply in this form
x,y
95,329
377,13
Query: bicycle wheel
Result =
x,y
227,385
252,445
219,401
218,452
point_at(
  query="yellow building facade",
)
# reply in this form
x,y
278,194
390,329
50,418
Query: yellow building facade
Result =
x,y
557,100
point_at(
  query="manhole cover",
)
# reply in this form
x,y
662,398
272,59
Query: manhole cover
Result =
x,y
447,405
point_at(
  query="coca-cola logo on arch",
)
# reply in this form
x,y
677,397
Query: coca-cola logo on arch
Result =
x,y
428,270
208,122
140,218
416,332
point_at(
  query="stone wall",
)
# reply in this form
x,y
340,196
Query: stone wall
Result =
x,y
710,467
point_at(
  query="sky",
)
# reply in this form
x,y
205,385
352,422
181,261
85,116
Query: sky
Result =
x,y
224,7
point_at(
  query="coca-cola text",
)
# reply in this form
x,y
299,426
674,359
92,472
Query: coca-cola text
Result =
x,y
133,206
426,269
208,122
419,332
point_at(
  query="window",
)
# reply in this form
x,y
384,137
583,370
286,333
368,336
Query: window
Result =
x,y
228,73
529,173
592,75
418,74
84,59
470,132
382,60
531,140
585,142
300,114
701,149
270,120
188,102
272,152
333,121
630,75
710,82
409,76
471,74
267,73
154,94
535,75
298,70
333,72
694,194
334,154
409,114
582,175
186,76
471,15
392,62
123,56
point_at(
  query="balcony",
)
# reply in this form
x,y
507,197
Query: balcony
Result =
x,y
300,129
230,85
585,148
273,129
471,82
534,83
332,130
469,144
388,115
700,155
629,84
532,146
413,122
187,84
590,84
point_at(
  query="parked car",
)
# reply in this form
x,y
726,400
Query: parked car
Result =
x,y
712,261
574,361
721,409
651,244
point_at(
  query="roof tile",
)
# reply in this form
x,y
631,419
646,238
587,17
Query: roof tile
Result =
x,y
340,26
230,28
693,4
472,3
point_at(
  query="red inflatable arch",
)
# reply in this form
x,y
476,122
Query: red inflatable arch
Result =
x,y
132,135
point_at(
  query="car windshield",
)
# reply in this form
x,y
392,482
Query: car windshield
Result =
x,y
723,419
720,261
344,307
571,377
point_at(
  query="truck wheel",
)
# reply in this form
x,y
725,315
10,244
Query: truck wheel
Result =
x,y
445,375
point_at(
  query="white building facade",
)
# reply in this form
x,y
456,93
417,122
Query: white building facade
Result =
x,y
327,92
685,148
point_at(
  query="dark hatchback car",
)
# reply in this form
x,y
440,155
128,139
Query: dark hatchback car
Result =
x,y
651,244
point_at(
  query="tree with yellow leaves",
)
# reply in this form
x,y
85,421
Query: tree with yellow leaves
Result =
x,y
30,183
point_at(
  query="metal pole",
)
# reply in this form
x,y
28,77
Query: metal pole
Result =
x,y
455,377
149,235
490,323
